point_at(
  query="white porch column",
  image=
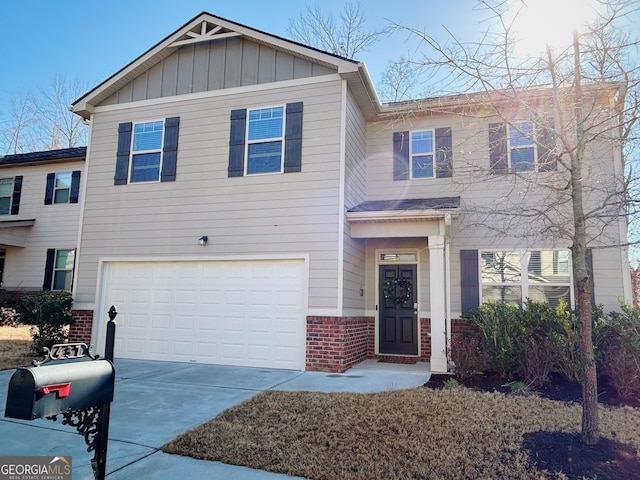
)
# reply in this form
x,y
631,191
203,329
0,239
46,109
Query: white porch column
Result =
x,y
438,303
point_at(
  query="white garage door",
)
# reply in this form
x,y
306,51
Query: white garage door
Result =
x,y
248,313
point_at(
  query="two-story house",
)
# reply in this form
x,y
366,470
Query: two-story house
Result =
x,y
40,218
249,201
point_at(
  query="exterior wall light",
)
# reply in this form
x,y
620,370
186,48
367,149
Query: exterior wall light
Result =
x,y
202,241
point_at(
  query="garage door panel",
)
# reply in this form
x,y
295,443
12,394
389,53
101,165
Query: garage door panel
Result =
x,y
235,313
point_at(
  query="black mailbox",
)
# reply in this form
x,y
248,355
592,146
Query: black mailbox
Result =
x,y
39,392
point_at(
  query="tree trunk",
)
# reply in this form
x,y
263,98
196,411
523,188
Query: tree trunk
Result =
x,y
589,380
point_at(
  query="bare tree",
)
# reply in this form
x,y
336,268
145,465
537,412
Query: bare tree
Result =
x,y
60,127
345,35
589,88
17,133
399,80
42,120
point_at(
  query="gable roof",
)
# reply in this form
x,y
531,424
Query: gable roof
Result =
x,y
46,156
207,27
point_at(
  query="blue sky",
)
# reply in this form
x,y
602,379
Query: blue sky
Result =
x,y
90,40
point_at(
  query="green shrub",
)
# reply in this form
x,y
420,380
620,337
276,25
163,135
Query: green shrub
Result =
x,y
467,354
49,313
620,345
501,336
564,335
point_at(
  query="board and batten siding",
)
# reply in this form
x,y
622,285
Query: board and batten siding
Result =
x,y
480,190
355,193
259,215
207,66
56,225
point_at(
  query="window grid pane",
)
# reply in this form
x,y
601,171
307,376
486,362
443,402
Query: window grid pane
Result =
x,y
422,154
147,136
63,270
145,167
264,157
543,277
266,123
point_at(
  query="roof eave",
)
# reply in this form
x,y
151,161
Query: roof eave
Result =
x,y
400,215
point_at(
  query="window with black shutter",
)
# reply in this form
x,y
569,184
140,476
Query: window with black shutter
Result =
x,y
147,151
265,140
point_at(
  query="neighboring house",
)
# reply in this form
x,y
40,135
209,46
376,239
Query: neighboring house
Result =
x,y
250,202
40,211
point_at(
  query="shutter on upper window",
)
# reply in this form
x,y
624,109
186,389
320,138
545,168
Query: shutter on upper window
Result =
x,y
293,138
122,159
469,280
48,269
75,186
444,149
170,149
547,160
498,162
48,193
17,190
400,155
237,142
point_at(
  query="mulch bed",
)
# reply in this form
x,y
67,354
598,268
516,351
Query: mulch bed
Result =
x,y
560,451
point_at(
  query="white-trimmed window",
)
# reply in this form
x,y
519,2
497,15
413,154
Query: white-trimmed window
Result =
x,y
62,188
514,276
146,151
6,193
63,270
422,154
265,140
522,147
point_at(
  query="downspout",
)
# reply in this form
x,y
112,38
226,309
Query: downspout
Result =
x,y
447,279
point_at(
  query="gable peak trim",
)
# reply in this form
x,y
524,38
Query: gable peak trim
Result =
x,y
204,32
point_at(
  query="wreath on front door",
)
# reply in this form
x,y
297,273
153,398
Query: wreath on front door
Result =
x,y
397,290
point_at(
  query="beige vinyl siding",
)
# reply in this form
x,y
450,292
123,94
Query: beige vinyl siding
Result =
x,y
269,215
226,63
476,228
56,225
355,193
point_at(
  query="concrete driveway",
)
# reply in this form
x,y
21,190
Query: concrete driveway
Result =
x,y
156,401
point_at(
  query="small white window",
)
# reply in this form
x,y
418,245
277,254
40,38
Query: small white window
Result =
x,y
62,188
422,154
265,140
522,147
6,193
63,269
146,152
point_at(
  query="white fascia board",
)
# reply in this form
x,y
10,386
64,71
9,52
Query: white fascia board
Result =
x,y
398,215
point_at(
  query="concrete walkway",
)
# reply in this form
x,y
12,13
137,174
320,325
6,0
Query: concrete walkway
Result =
x,y
156,401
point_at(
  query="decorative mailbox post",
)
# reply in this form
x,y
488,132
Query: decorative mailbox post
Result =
x,y
79,390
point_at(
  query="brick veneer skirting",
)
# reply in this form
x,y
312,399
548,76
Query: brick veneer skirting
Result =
x,y
336,343
80,331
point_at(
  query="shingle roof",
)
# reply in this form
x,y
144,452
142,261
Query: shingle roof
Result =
x,y
407,204
76,153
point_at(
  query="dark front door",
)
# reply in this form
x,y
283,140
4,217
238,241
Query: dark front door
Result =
x,y
398,317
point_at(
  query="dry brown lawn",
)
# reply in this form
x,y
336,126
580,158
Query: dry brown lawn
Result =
x,y
15,347
417,433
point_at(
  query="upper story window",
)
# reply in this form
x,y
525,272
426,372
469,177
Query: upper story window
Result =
x,y
522,147
62,187
422,154
6,192
10,189
147,151
265,140
514,276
